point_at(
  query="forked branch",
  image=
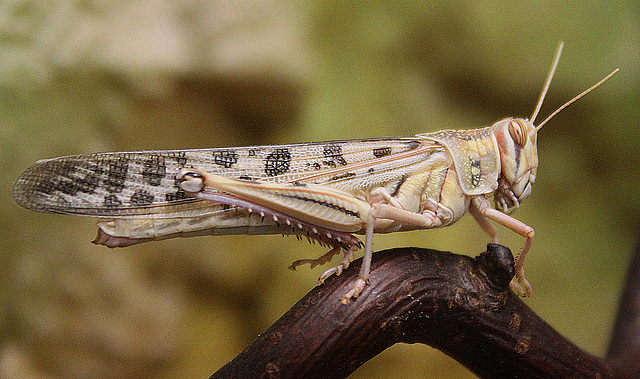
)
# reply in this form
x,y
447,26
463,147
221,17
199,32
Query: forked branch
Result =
x,y
460,305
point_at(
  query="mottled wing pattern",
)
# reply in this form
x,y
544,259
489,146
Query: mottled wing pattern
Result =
x,y
104,184
137,184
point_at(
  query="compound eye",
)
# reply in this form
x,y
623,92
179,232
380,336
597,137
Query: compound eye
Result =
x,y
518,132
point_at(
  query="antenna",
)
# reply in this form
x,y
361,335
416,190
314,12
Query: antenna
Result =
x,y
576,98
547,83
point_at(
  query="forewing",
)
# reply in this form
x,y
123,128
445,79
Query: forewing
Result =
x,y
142,184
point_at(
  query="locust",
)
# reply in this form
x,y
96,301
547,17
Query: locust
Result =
x,y
324,191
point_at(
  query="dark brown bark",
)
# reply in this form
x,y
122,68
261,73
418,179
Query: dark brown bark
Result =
x,y
624,347
460,305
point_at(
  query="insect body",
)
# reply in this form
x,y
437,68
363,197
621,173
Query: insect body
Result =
x,y
325,191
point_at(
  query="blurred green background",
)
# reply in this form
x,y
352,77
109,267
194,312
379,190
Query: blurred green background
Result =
x,y
88,76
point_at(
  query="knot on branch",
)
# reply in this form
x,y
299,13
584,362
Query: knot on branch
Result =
x,y
497,265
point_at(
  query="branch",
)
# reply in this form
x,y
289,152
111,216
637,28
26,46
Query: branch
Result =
x,y
457,304
624,347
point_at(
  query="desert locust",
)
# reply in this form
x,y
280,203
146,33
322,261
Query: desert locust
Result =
x,y
325,191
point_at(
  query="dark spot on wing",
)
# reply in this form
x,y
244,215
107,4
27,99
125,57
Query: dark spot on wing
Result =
x,y
225,158
117,174
277,162
175,196
381,152
111,201
154,169
329,163
343,176
83,177
179,156
334,153
68,177
141,197
91,179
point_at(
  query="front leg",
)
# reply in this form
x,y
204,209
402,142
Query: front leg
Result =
x,y
483,208
484,223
